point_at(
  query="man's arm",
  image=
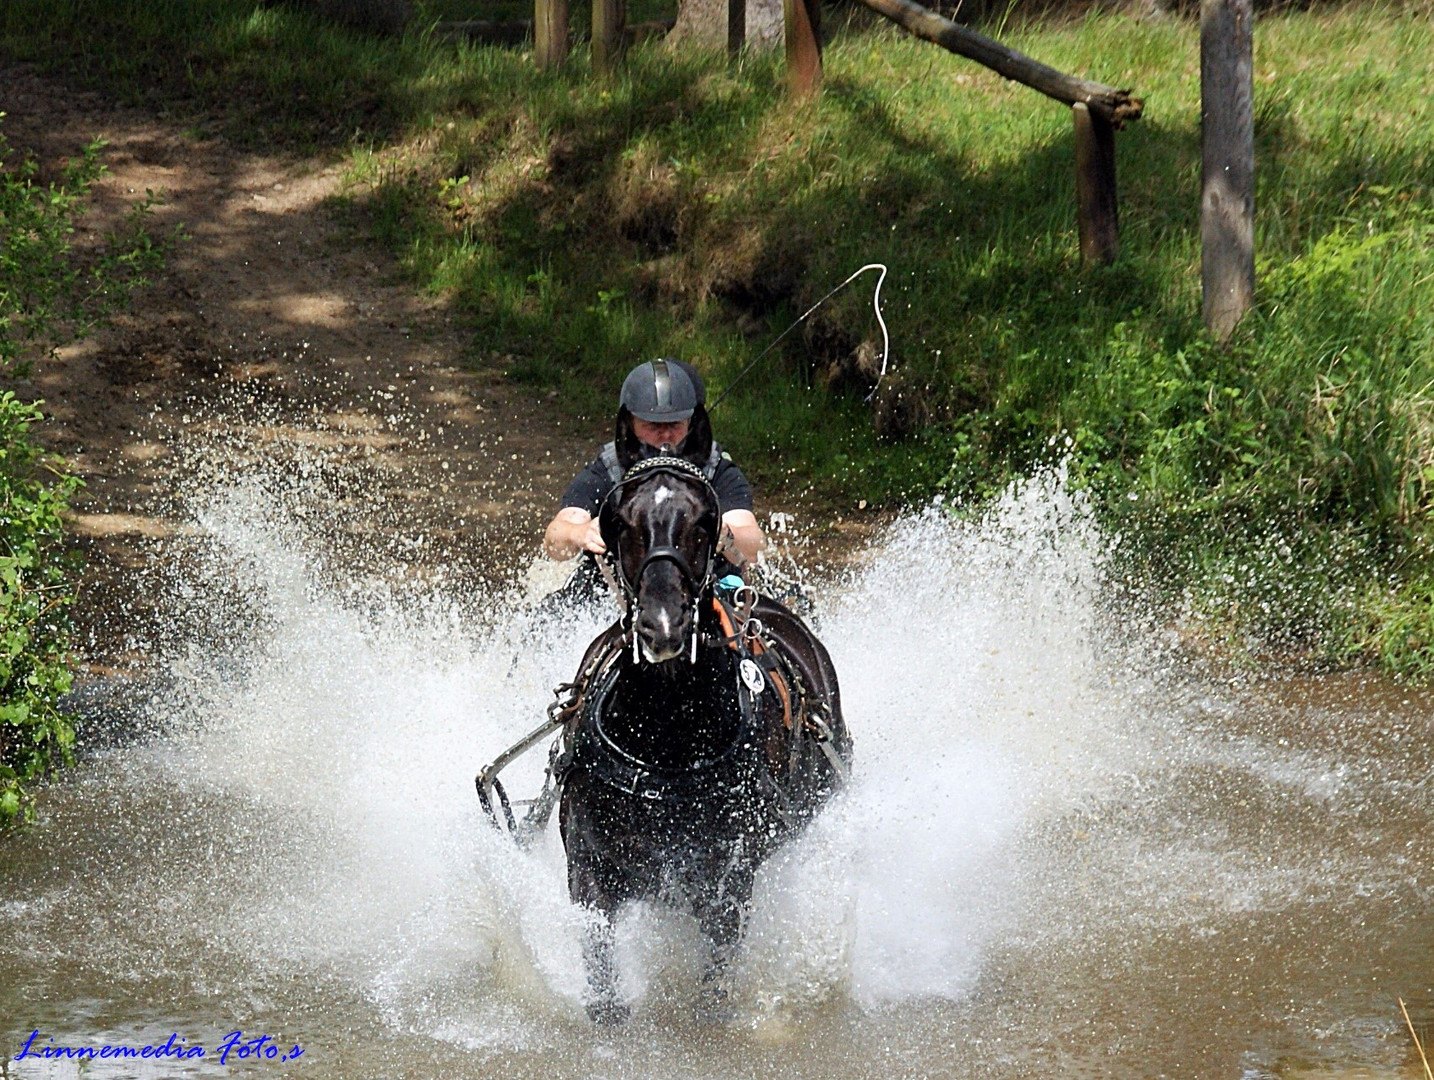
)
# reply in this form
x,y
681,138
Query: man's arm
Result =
x,y
745,537
571,531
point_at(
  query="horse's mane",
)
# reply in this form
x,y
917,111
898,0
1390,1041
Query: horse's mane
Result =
x,y
662,461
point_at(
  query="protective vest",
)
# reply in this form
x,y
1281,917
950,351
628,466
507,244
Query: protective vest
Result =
x,y
608,457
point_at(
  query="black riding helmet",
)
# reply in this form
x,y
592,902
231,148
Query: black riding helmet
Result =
x,y
662,391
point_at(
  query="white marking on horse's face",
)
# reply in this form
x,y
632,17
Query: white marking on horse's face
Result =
x,y
664,620
663,494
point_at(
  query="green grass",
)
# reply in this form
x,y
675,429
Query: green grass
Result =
x,y
1280,488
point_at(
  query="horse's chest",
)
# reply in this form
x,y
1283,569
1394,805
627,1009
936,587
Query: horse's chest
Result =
x,y
669,827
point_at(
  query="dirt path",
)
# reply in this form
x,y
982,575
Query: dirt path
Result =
x,y
274,334
271,327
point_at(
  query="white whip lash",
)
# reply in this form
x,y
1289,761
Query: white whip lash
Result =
x,y
876,306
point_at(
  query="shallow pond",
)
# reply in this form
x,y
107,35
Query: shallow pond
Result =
x,y
1061,855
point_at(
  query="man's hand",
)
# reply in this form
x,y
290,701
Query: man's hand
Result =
x,y
741,537
728,549
592,538
571,531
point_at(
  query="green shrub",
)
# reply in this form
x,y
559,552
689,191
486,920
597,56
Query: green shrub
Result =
x,y
36,591
47,293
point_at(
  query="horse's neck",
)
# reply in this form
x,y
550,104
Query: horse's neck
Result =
x,y
677,714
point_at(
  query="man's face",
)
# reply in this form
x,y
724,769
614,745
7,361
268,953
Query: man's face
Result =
x,y
656,435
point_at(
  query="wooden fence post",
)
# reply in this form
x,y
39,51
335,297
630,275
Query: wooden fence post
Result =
x,y
804,48
550,33
609,30
736,26
1227,144
1095,185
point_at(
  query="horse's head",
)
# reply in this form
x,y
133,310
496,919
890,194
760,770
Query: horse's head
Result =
x,y
661,524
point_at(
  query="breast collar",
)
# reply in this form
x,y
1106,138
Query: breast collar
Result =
x,y
611,765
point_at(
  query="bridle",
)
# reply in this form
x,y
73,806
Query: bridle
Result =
x,y
671,465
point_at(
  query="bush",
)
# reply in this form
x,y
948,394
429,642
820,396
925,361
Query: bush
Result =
x,y
47,293
35,595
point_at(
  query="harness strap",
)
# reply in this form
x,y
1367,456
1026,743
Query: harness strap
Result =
x,y
670,554
769,662
608,457
612,766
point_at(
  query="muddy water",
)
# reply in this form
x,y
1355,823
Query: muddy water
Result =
x,y
1061,856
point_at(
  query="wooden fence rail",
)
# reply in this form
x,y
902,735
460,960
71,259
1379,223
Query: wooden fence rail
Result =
x,y
1097,111
1118,107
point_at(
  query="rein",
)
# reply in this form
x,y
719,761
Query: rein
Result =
x,y
624,772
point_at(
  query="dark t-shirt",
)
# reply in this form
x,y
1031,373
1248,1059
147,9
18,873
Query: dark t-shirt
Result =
x,y
590,487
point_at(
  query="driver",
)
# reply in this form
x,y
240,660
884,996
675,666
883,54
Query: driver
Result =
x,y
661,401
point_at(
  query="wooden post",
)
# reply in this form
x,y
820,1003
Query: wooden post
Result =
x,y
609,31
1227,183
550,33
736,26
804,48
1095,185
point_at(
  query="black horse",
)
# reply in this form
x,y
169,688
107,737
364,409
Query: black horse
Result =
x,y
707,727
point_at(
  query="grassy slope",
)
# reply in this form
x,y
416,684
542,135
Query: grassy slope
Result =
x,y
1282,485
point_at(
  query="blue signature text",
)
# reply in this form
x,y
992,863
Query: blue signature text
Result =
x,y
235,1045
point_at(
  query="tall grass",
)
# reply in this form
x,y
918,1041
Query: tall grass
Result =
x,y
1279,487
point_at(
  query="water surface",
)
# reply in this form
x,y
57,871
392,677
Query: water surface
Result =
x,y
1062,854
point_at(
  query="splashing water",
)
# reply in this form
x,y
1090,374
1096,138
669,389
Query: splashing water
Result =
x,y
1047,832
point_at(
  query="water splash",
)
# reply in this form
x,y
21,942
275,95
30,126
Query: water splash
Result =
x,y
1033,792
357,712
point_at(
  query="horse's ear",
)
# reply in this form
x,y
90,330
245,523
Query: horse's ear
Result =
x,y
697,446
629,446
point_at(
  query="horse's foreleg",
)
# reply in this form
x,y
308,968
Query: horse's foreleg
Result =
x,y
585,887
603,1004
721,916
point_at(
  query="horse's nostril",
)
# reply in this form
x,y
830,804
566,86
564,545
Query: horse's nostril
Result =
x,y
663,631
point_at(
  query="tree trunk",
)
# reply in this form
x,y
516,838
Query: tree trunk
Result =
x,y
1227,140
550,33
729,24
804,46
609,26
765,25
736,26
